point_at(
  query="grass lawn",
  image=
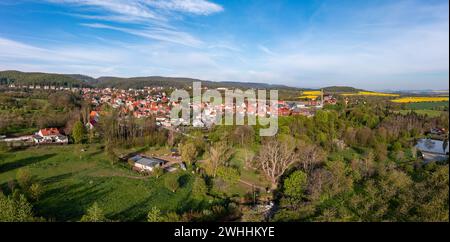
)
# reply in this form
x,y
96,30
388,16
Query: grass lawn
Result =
x,y
73,180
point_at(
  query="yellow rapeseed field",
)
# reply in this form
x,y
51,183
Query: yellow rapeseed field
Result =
x,y
379,94
311,95
420,99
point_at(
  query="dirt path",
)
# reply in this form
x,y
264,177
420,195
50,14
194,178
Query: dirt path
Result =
x,y
251,185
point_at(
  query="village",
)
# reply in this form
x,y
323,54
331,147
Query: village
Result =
x,y
224,111
155,102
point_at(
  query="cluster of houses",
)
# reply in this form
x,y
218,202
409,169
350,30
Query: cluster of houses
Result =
x,y
153,101
44,87
140,103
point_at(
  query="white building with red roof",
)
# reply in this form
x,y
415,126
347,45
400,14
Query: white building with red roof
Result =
x,y
50,136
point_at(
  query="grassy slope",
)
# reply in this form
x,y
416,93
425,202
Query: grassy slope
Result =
x,y
73,180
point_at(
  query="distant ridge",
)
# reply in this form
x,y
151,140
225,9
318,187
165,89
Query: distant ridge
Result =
x,y
38,78
341,89
82,78
178,82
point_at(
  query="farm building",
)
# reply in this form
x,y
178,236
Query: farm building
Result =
x,y
433,150
143,163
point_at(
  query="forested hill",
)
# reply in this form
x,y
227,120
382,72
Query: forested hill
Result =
x,y
77,80
341,89
141,82
86,79
36,78
178,82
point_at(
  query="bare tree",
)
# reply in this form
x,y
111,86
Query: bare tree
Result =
x,y
276,156
85,112
219,154
171,138
243,134
310,156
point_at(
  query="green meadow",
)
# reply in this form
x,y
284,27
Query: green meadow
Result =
x,y
427,105
74,179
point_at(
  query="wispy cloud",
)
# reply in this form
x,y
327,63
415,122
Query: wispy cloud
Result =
x,y
200,7
14,55
132,9
153,16
400,44
266,50
155,33
138,10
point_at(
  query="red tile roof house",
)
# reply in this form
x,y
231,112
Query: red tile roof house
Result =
x,y
50,136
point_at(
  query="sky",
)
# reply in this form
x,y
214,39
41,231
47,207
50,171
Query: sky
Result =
x,y
376,44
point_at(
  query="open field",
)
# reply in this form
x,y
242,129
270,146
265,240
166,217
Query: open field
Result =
x,y
73,180
428,112
310,95
428,105
378,94
420,99
431,109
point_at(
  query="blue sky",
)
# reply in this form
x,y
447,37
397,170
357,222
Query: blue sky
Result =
x,y
376,44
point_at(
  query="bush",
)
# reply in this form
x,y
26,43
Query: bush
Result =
x,y
172,183
36,191
154,215
24,178
228,174
94,214
199,189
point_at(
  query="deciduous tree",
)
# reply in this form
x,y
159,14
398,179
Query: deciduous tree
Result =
x,y
219,154
188,152
276,157
78,132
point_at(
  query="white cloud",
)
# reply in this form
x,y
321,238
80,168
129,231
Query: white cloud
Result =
x,y
76,59
371,48
200,7
155,33
153,16
146,9
134,9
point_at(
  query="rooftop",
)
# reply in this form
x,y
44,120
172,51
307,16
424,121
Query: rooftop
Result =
x,y
432,146
146,161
